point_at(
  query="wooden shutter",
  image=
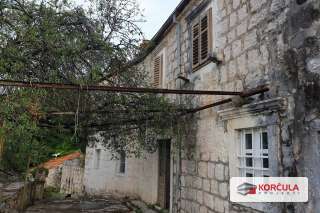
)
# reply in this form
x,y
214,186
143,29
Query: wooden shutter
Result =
x,y
195,45
205,38
157,71
202,39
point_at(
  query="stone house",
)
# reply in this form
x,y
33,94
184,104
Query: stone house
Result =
x,y
230,45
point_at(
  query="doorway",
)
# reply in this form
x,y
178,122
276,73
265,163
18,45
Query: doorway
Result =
x,y
164,174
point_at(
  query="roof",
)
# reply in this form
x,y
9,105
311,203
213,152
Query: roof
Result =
x,y
53,163
157,38
168,23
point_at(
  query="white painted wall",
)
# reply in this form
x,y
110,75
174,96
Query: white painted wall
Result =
x,y
139,180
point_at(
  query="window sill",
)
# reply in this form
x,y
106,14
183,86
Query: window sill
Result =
x,y
211,59
121,174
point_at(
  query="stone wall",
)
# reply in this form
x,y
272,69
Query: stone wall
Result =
x,y
15,197
72,178
140,179
54,177
273,42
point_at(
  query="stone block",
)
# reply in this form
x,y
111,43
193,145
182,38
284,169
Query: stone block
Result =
x,y
236,4
197,182
211,170
208,200
241,28
254,64
277,5
203,169
232,35
233,19
223,190
223,78
219,172
250,40
214,187
205,156
224,25
188,181
188,166
206,185
226,206
221,4
242,65
203,209
183,181
257,18
226,172
242,13
200,196
213,156
236,48
256,4
219,205
232,71
195,207
264,55
227,53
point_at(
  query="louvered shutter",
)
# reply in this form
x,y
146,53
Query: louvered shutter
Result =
x,y
205,36
157,71
195,45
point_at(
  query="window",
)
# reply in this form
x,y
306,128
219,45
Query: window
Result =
x,y
122,162
158,71
97,158
254,153
201,39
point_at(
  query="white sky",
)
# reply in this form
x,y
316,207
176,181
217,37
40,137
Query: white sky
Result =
x,y
155,13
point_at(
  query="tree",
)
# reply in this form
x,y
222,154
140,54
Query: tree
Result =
x,y
55,41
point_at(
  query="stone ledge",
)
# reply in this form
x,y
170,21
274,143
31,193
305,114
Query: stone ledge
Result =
x,y
261,107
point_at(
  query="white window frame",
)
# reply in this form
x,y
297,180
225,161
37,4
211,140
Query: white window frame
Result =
x,y
257,153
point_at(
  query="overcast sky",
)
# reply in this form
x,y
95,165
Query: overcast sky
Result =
x,y
156,13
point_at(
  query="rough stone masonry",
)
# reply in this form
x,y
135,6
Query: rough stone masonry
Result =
x,y
274,42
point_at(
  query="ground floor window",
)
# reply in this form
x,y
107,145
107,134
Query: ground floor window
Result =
x,y
97,158
254,153
122,162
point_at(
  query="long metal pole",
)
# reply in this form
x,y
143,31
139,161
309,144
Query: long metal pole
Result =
x,y
38,85
248,93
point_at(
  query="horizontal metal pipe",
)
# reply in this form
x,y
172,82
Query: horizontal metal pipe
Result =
x,y
248,93
24,84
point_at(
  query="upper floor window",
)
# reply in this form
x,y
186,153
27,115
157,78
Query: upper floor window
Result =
x,y
201,39
254,153
158,71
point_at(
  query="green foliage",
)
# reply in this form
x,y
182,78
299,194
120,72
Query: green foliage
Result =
x,y
51,193
54,41
26,144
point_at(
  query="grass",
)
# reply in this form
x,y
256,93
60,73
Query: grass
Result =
x,y
52,193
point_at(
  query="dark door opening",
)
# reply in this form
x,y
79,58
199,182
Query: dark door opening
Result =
x,y
164,174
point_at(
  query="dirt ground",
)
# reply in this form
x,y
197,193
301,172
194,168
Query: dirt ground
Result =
x,y
73,206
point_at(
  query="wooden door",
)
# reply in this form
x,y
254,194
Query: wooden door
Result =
x,y
164,175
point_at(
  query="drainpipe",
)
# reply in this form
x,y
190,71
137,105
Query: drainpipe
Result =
x,y
179,169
